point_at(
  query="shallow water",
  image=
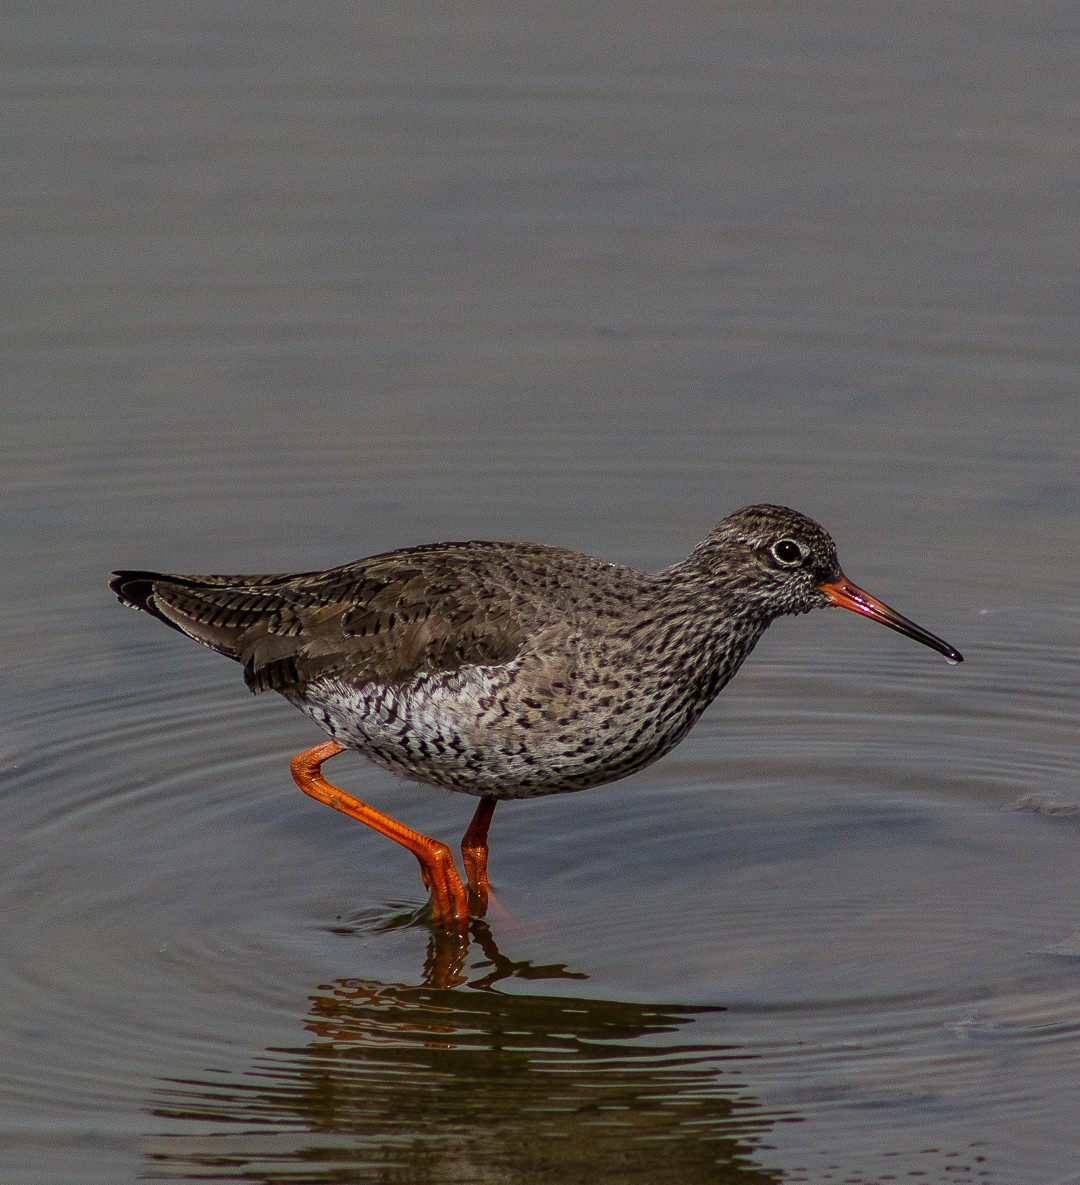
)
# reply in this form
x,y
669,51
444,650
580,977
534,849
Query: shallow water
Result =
x,y
283,290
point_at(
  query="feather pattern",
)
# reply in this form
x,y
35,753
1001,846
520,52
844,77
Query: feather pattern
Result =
x,y
503,669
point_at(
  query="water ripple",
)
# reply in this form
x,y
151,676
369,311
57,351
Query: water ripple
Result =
x,y
821,876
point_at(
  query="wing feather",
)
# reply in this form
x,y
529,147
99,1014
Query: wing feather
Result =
x,y
383,619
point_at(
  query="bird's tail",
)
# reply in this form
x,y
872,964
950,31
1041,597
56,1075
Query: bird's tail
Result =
x,y
214,610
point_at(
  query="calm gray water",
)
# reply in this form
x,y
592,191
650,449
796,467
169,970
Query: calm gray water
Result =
x,y
286,285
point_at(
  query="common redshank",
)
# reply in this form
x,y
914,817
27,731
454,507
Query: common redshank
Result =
x,y
507,670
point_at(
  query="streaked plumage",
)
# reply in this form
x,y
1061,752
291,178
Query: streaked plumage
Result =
x,y
513,669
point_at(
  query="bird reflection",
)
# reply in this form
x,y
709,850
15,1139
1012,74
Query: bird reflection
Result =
x,y
467,1085
447,951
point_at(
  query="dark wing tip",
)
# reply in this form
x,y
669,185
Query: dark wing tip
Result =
x,y
135,588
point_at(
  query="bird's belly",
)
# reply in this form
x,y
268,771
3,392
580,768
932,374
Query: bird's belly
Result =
x,y
471,734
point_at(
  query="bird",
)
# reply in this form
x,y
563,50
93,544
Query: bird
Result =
x,y
507,670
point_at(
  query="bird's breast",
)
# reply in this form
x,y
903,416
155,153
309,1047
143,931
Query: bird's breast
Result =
x,y
511,731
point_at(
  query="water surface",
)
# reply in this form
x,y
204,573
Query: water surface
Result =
x,y
283,289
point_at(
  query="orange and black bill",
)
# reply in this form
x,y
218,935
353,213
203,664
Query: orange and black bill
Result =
x,y
849,596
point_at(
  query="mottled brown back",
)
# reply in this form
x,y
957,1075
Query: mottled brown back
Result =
x,y
384,618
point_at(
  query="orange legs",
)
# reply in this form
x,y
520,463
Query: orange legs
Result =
x,y
474,854
449,901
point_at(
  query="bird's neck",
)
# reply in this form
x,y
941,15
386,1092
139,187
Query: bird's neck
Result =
x,y
720,627
723,651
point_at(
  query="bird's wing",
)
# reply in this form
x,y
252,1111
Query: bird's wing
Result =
x,y
385,619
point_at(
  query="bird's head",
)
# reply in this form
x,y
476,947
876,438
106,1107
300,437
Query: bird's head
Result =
x,y
780,562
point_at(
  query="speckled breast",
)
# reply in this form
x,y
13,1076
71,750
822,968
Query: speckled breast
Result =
x,y
487,731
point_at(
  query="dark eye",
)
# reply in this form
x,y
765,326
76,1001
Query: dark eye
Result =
x,y
787,552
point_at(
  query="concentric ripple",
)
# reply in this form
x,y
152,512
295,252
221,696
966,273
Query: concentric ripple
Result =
x,y
821,880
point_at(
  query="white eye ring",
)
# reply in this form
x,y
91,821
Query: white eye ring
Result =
x,y
787,553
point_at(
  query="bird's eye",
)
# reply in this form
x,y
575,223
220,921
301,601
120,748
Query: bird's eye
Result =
x,y
787,553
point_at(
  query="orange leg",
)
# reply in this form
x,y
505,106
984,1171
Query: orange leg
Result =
x,y
474,855
448,899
